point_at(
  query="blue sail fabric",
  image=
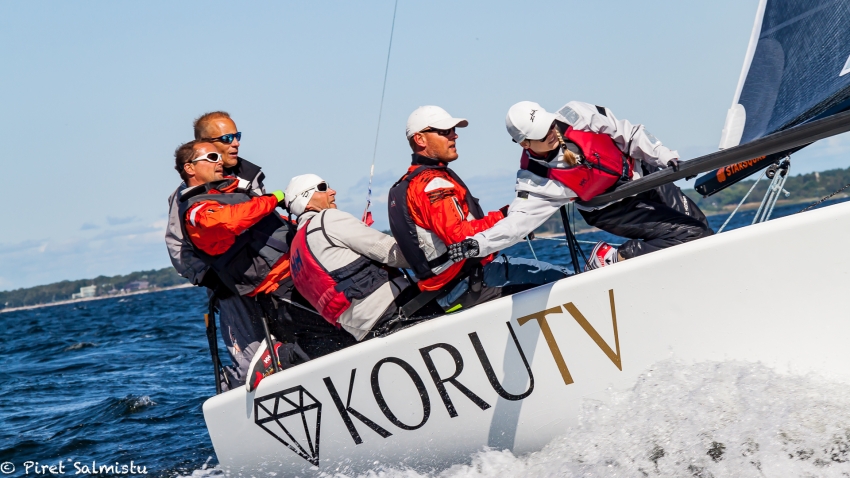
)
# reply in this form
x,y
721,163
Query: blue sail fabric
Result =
x,y
800,69
797,70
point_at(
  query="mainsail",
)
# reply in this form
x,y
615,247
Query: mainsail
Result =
x,y
797,69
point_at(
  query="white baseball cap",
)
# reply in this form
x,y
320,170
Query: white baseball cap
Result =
x,y
528,120
432,117
299,192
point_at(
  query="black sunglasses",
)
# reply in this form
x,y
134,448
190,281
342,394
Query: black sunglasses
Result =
x,y
227,138
322,187
441,132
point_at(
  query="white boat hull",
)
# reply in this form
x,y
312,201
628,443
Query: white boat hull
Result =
x,y
772,293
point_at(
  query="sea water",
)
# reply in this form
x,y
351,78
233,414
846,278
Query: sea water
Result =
x,y
120,382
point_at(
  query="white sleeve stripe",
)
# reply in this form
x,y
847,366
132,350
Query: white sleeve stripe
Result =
x,y
194,212
438,183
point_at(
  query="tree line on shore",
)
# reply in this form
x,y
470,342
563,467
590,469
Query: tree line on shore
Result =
x,y
64,290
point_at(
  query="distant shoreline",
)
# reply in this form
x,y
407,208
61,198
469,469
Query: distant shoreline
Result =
x,y
89,299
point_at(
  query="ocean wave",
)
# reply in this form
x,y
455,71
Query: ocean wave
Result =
x,y
134,404
79,345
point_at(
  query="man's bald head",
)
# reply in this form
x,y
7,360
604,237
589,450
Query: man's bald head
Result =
x,y
203,123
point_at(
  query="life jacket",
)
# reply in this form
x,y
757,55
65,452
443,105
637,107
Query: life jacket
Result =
x,y
404,229
181,251
331,292
244,266
601,164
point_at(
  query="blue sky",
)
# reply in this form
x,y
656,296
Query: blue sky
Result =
x,y
96,95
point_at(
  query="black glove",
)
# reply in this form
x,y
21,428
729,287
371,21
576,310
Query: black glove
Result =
x,y
673,163
504,210
465,249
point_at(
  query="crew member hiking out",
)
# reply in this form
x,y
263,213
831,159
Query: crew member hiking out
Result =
x,y
345,269
240,317
579,153
430,207
244,241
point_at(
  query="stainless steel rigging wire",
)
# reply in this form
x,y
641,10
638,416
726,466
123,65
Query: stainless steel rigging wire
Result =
x,y
380,113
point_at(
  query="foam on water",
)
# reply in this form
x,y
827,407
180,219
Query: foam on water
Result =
x,y
703,420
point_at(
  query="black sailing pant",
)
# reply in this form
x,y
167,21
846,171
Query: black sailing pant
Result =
x,y
652,220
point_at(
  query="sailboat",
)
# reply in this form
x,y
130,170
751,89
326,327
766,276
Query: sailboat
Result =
x,y
513,373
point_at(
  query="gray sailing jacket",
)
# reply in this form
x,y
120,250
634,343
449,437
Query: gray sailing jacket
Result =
x,y
346,239
182,255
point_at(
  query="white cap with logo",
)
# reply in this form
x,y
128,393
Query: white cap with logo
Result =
x,y
528,120
432,117
299,192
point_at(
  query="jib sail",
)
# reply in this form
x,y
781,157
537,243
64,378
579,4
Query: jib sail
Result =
x,y
797,69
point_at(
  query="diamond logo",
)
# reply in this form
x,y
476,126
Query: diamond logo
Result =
x,y
288,416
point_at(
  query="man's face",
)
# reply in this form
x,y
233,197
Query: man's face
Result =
x,y
217,128
439,144
202,172
322,200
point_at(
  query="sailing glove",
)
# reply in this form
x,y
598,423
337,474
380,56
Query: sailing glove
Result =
x,y
504,210
280,198
466,249
673,163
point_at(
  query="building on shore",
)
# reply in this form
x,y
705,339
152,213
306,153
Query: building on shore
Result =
x,y
89,291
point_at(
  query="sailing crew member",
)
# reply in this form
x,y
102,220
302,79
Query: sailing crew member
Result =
x,y
578,153
240,317
345,269
430,207
244,241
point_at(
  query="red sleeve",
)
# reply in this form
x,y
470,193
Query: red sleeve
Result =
x,y
213,227
442,212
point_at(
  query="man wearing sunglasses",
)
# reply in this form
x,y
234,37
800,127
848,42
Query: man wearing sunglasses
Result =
x,y
344,269
238,328
430,207
243,240
220,131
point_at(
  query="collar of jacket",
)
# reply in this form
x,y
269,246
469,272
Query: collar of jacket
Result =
x,y
226,185
419,160
548,157
245,170
305,216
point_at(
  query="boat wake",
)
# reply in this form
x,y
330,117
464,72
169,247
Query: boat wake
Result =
x,y
702,420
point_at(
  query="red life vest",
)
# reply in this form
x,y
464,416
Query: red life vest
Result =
x,y
404,229
601,164
331,292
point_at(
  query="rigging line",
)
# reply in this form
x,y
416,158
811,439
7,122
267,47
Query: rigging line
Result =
x,y
742,202
824,199
380,113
